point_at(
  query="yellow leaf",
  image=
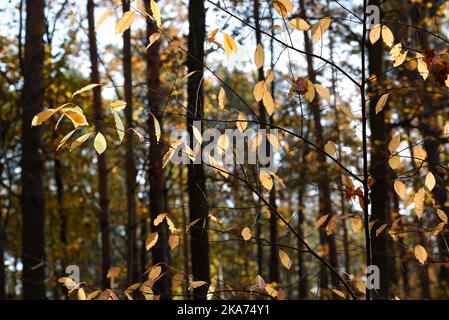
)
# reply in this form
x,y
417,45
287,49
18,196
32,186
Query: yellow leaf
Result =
x,y
299,24
229,44
322,91
374,34
259,56
117,105
320,221
154,272
196,284
285,259
242,122
173,241
156,13
422,66
86,88
421,254
274,141
397,55
212,35
43,116
246,233
394,162
330,148
387,36
125,21
76,116
259,90
400,188
157,129
151,240
153,38
64,140
119,126
430,181
177,280
381,102
319,28
394,143
380,229
80,140
81,294
160,217
283,7
100,143
222,99
103,17
442,215
93,294
268,102
222,143
339,293
266,180
269,76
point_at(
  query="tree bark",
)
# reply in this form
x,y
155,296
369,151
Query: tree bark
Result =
x,y
198,204
32,198
101,159
132,252
2,258
380,197
156,176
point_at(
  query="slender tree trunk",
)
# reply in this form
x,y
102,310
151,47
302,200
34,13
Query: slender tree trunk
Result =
x,y
156,176
185,243
325,205
198,204
2,258
378,171
303,286
133,254
274,268
32,199
102,162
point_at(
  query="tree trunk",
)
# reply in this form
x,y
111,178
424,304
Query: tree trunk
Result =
x,y
2,258
378,171
132,252
156,176
325,205
274,268
101,163
32,198
198,204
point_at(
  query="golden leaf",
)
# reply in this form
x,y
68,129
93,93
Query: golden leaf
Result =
x,y
299,24
421,254
229,44
283,7
319,28
285,259
151,240
399,188
242,122
259,56
100,143
222,99
86,88
381,102
246,233
374,34
320,221
430,181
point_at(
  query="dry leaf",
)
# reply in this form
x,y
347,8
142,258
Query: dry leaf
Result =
x,y
430,181
246,233
151,240
421,254
259,56
285,259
